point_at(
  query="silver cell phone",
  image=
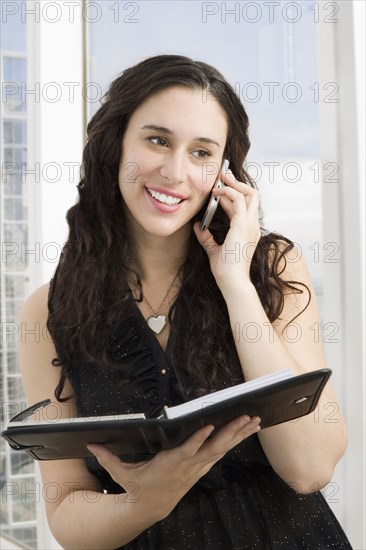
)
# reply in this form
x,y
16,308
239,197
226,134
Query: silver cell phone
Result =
x,y
214,201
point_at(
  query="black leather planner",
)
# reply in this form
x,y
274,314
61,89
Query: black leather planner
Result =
x,y
278,402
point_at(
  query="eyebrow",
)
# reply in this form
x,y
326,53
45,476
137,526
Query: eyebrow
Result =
x,y
171,133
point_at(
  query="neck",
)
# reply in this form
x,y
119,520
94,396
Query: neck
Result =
x,y
159,258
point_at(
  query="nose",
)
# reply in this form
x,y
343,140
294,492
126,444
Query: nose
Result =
x,y
174,168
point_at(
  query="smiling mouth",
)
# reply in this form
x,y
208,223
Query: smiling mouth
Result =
x,y
163,198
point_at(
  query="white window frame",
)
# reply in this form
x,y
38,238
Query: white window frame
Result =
x,y
56,135
341,59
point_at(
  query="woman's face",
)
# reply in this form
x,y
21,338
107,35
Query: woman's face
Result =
x,y
171,153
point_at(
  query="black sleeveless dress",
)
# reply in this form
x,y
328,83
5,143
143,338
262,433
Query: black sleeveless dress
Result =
x,y
241,503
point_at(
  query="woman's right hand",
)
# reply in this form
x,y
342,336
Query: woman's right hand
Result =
x,y
157,485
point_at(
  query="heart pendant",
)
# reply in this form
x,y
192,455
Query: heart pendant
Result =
x,y
157,323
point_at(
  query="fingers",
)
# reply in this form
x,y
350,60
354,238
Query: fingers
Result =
x,y
195,441
205,239
240,427
229,436
231,200
245,426
211,450
112,463
197,446
230,180
241,194
107,460
238,190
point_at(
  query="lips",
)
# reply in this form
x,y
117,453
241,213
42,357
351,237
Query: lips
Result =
x,y
167,192
163,198
163,206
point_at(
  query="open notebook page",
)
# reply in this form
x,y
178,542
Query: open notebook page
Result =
x,y
222,395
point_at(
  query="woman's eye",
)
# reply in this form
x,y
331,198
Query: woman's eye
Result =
x,y
158,140
203,153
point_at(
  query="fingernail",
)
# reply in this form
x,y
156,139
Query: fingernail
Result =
x,y
209,431
90,448
244,420
255,419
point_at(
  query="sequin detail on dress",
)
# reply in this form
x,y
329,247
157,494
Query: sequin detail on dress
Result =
x,y
240,503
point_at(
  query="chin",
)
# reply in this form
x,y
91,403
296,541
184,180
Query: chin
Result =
x,y
166,231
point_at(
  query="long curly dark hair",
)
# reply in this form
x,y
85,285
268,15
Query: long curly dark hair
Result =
x,y
89,293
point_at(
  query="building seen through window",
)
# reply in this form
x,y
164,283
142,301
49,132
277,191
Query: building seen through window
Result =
x,y
18,484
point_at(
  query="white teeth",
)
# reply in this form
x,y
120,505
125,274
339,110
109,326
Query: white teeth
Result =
x,y
166,199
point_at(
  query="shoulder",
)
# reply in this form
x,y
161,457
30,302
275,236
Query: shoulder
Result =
x,y
287,281
290,273
36,347
285,260
36,305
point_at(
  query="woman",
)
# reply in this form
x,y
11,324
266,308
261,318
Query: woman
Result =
x,y
146,310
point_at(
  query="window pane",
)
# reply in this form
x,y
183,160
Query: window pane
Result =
x,y
15,131
27,535
15,246
14,209
268,52
12,358
13,170
12,310
19,506
15,389
21,463
16,286
15,82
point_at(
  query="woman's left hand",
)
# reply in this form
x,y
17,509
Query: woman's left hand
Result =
x,y
230,262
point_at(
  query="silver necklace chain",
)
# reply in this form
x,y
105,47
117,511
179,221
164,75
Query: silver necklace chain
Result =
x,y
165,297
